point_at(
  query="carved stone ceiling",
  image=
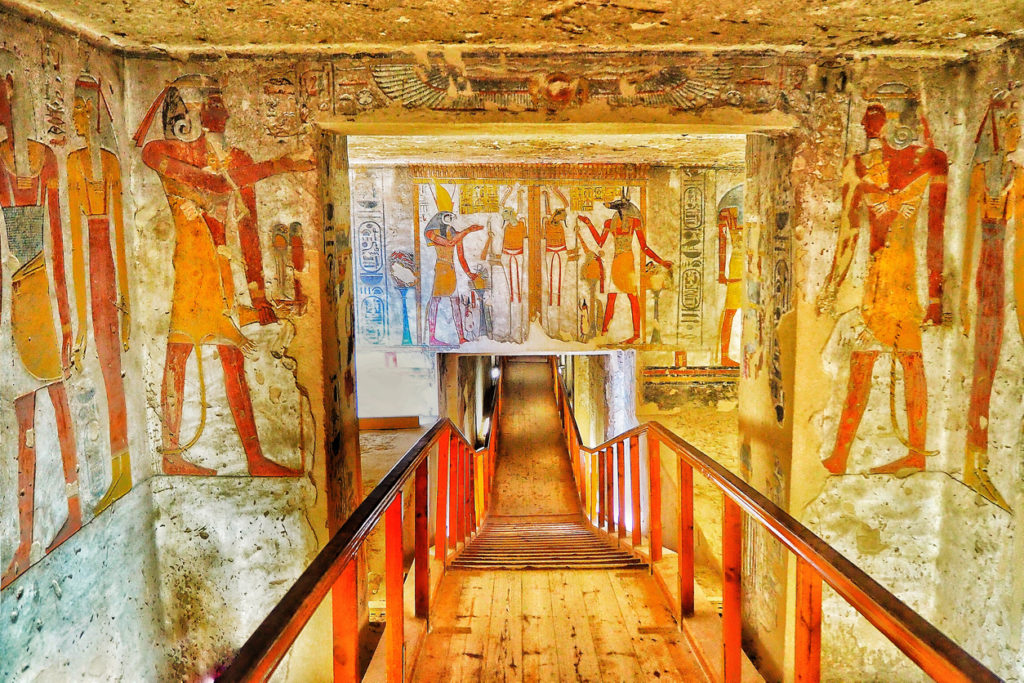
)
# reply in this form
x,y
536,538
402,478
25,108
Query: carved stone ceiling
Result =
x,y
639,149
932,25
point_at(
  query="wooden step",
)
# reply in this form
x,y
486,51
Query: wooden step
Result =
x,y
521,543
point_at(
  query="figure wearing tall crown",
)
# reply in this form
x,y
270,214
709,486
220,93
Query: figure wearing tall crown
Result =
x,y
95,203
995,197
441,234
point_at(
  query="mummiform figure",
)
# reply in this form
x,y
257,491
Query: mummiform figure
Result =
x,y
94,199
996,197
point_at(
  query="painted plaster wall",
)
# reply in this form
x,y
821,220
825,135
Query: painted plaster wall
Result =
x,y
83,609
922,525
244,535
170,579
382,372
525,296
824,98
765,423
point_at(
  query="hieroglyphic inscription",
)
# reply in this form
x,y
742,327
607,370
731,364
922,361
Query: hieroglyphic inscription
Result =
x,y
478,198
691,253
781,293
370,259
583,197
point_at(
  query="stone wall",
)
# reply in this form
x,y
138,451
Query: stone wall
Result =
x,y
904,305
858,297
173,317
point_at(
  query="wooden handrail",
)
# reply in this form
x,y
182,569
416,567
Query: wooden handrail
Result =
x,y
934,652
257,659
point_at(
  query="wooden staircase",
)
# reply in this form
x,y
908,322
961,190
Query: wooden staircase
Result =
x,y
544,543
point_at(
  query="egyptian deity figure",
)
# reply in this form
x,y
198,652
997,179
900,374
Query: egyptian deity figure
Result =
x,y
554,248
884,189
513,239
995,197
94,198
210,189
513,247
622,227
447,242
30,201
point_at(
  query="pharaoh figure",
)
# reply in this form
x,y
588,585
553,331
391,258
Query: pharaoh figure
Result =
x,y
730,266
30,201
996,196
626,223
884,190
94,199
210,189
447,242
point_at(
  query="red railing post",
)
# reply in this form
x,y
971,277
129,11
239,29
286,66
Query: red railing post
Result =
x,y
422,542
609,484
654,465
394,628
807,640
732,557
602,508
471,493
592,489
685,547
582,466
334,571
490,474
620,481
634,480
453,493
346,626
441,510
460,502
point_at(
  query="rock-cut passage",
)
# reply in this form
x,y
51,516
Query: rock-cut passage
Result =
x,y
536,520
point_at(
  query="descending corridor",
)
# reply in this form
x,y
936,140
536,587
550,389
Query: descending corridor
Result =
x,y
520,585
582,610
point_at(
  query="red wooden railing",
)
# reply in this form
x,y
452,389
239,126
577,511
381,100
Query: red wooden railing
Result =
x,y
595,469
463,498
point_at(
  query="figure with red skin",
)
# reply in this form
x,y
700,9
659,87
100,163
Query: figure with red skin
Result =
x,y
884,188
995,197
30,202
622,227
210,188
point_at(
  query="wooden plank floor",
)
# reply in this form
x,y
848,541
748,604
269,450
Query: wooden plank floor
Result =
x,y
567,625
532,472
